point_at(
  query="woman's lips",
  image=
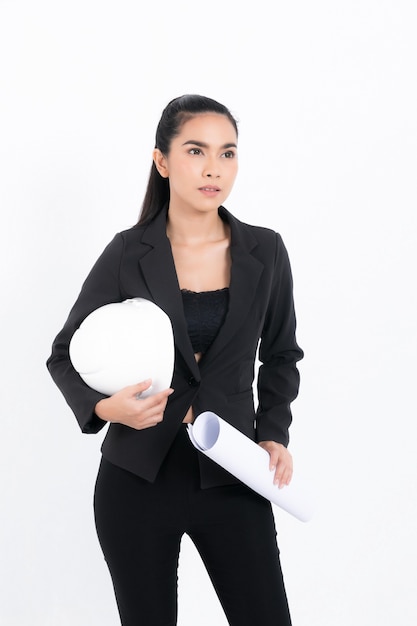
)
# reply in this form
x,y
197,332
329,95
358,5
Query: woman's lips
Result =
x,y
209,190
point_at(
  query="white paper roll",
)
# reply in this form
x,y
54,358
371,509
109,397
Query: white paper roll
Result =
x,y
248,462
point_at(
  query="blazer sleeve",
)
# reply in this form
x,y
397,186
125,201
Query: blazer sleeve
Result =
x,y
278,376
102,286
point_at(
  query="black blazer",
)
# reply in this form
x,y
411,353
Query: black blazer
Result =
x,y
139,263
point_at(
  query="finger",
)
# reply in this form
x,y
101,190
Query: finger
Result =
x,y
152,422
151,407
283,473
154,417
273,459
288,477
153,398
139,388
145,425
154,414
278,481
278,476
154,404
148,421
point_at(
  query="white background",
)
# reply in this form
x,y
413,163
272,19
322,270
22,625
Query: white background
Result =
x,y
325,93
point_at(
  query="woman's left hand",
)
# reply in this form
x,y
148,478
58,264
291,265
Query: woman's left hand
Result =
x,y
280,460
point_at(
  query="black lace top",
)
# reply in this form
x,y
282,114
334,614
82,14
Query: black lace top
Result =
x,y
205,312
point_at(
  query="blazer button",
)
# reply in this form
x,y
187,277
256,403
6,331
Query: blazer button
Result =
x,y
192,382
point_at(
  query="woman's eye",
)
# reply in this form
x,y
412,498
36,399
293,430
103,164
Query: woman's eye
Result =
x,y
195,151
229,154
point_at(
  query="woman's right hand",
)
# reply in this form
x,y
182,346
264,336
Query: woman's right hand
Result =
x,y
128,408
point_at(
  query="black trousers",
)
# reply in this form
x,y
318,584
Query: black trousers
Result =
x,y
140,525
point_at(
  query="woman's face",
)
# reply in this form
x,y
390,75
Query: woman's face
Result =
x,y
202,163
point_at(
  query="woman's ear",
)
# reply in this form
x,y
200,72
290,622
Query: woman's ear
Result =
x,y
160,162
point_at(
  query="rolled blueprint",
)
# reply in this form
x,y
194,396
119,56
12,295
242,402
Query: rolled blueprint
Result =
x,y
249,463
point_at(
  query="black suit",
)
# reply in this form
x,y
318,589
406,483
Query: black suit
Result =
x,y
139,263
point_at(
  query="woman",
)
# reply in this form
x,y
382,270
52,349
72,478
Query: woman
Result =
x,y
226,287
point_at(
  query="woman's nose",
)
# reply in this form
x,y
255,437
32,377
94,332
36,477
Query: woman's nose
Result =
x,y
211,171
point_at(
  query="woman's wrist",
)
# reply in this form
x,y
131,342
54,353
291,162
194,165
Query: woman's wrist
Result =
x,y
100,410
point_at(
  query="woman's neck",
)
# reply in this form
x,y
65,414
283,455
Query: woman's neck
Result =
x,y
195,228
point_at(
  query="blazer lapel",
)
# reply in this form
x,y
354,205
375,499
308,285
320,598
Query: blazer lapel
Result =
x,y
246,273
158,269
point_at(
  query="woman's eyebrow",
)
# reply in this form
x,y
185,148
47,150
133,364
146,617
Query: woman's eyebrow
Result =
x,y
201,144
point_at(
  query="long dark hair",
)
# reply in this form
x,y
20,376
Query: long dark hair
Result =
x,y
175,114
